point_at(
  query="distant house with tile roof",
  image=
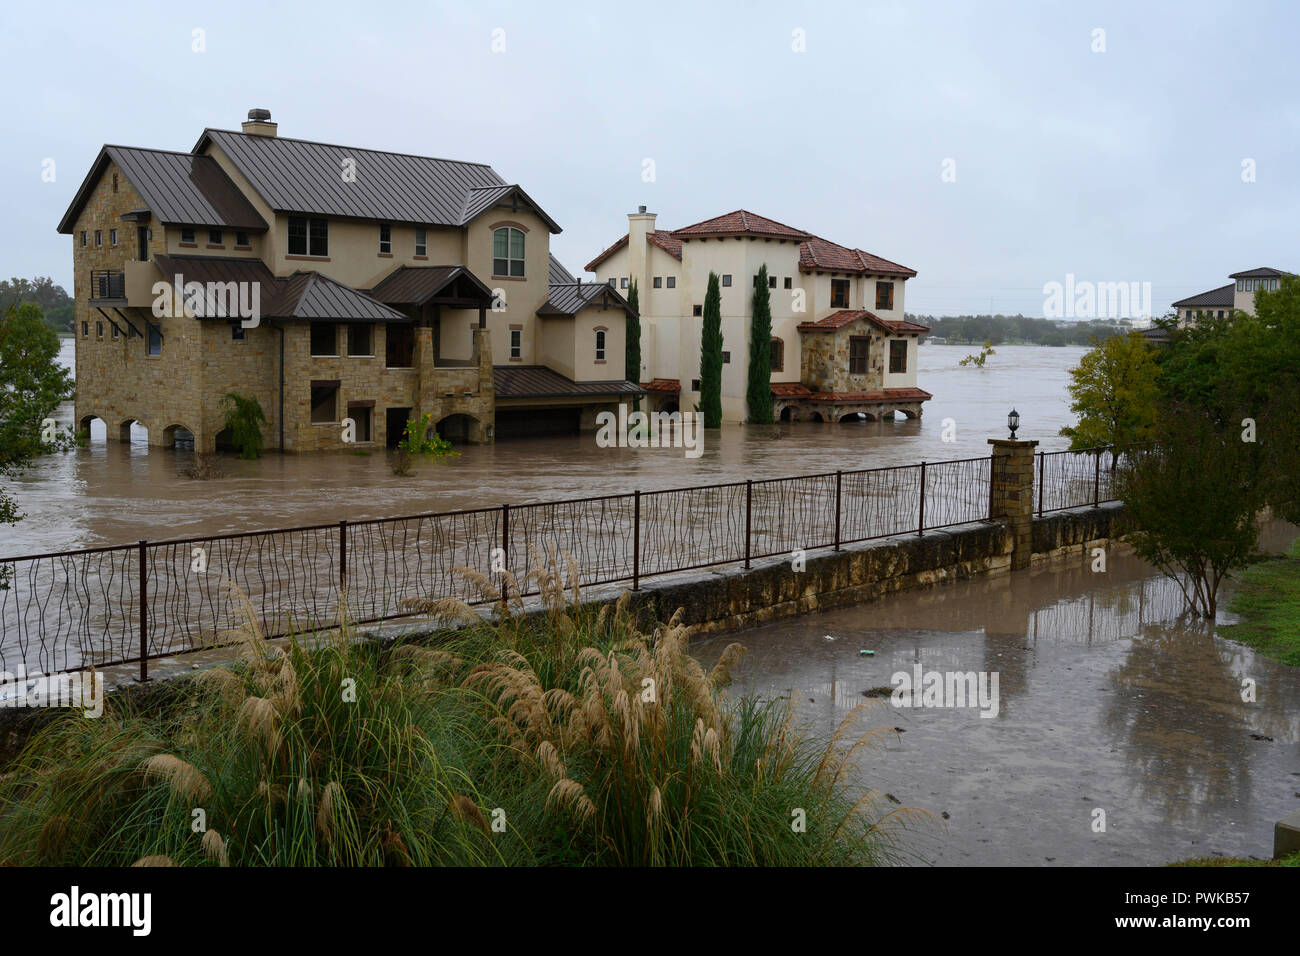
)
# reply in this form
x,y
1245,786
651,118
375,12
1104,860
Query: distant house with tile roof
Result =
x,y
386,286
840,343
1236,296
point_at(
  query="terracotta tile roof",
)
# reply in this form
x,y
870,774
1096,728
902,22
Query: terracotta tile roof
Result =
x,y
838,320
662,385
790,390
741,223
822,255
660,237
882,395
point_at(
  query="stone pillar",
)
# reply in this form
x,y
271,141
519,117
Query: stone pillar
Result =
x,y
1011,494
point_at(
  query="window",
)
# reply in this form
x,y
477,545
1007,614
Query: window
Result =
x,y
777,356
623,282
241,240
726,357
399,345
697,310
359,339
508,252
859,348
115,182
789,283
83,238
659,282
613,283
238,333
884,295
216,237
672,282
385,239
695,385
324,339
421,242
187,236
600,345
324,402
99,237
1240,282
726,281
112,237
771,282
99,330
360,413
309,237
839,293
516,343
155,339
114,329
897,356
85,329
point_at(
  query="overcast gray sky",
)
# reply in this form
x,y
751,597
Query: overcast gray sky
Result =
x,y
1122,165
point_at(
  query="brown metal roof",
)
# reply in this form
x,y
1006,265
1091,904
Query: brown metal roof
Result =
x,y
558,274
416,285
570,298
538,381
295,175
178,188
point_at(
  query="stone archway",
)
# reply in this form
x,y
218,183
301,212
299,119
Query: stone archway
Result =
x,y
124,429
85,425
178,436
460,428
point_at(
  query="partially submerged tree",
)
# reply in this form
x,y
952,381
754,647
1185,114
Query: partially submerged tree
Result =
x,y
758,396
711,356
1114,393
983,356
244,418
32,386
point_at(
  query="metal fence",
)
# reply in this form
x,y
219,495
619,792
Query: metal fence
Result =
x,y
133,603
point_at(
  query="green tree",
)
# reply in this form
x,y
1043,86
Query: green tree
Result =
x,y
244,418
32,386
759,394
632,362
711,356
53,300
1114,393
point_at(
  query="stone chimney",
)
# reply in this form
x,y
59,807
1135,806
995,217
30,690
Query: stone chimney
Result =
x,y
639,225
259,123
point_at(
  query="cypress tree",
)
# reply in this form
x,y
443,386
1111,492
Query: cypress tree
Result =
x,y
759,394
633,350
711,356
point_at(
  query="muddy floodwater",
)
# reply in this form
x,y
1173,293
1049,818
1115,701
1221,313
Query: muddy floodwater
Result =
x,y
1108,700
115,492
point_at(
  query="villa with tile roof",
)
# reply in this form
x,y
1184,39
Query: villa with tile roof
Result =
x,y
335,285
840,343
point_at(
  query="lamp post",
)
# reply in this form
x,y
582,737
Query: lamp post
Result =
x,y
1013,422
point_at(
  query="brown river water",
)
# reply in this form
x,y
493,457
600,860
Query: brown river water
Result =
x,y
1108,698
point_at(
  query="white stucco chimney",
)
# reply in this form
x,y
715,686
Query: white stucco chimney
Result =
x,y
639,225
259,123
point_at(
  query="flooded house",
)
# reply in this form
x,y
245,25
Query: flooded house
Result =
x,y
335,285
840,344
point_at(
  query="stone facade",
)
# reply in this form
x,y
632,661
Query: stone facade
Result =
x,y
824,363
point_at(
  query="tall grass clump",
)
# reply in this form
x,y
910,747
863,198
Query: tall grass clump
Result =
x,y
569,737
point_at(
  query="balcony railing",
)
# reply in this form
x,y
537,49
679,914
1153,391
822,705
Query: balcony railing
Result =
x,y
107,284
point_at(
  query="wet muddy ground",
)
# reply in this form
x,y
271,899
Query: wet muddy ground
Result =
x,y
1109,699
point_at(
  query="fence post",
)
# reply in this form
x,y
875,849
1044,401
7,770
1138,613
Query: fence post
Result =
x,y
636,540
1096,480
505,549
144,612
1042,461
749,508
920,524
343,556
838,477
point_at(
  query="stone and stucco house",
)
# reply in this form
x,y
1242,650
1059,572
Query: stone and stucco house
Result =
x,y
840,342
329,283
1236,296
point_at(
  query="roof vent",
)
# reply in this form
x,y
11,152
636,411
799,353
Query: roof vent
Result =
x,y
259,123
640,210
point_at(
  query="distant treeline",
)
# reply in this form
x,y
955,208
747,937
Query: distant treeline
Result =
x,y
53,300
1018,329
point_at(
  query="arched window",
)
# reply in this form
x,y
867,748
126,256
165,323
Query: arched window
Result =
x,y
600,345
778,355
508,252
